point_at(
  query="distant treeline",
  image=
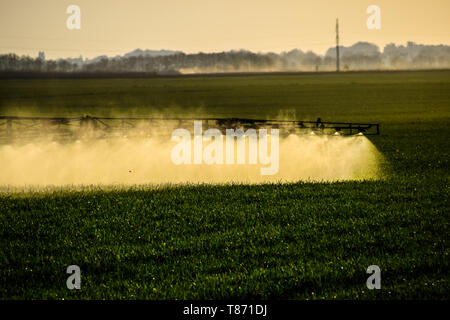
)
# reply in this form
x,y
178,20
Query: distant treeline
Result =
x,y
360,56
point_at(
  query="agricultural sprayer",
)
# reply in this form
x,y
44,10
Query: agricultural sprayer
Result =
x,y
12,127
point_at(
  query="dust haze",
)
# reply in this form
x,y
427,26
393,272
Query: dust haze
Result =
x,y
135,161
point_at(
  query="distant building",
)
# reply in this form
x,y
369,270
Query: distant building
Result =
x,y
41,55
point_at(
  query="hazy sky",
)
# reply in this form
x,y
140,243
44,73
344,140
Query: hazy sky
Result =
x,y
118,26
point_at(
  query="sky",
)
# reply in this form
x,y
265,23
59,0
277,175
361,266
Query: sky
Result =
x,y
113,27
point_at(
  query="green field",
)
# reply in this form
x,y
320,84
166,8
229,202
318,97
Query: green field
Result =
x,y
291,241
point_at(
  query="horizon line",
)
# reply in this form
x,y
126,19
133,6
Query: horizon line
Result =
x,y
331,47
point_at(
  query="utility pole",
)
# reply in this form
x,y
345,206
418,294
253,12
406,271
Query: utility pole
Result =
x,y
337,45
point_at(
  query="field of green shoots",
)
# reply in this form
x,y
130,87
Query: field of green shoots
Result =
x,y
272,241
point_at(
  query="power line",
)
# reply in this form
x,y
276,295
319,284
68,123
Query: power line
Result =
x,y
337,45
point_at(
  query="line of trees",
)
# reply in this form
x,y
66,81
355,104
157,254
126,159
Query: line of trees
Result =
x,y
360,56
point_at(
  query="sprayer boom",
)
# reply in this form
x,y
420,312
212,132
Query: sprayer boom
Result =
x,y
11,126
